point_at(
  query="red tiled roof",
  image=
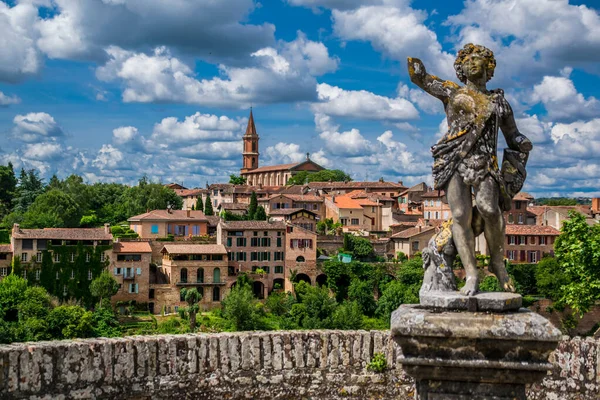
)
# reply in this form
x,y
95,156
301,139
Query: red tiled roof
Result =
x,y
367,202
63,234
5,248
299,197
405,223
213,220
286,211
523,196
411,232
194,249
174,215
434,194
513,229
356,185
270,168
234,206
189,192
257,225
346,202
537,210
132,247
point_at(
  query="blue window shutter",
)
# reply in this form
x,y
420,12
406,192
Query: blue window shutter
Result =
x,y
154,229
116,272
139,271
136,287
186,230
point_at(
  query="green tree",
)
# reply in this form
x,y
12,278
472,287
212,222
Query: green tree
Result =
x,y
577,251
199,204
362,247
12,293
490,284
317,305
53,209
298,179
326,175
253,206
33,312
260,214
89,221
146,196
104,286
105,322
347,315
550,278
241,309
237,180
70,322
29,187
208,207
192,297
361,292
8,186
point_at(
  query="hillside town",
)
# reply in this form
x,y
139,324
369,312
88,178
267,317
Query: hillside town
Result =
x,y
210,242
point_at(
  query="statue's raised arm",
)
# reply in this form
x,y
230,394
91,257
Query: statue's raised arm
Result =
x,y
433,85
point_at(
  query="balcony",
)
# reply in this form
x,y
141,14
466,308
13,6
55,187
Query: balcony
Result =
x,y
128,276
220,283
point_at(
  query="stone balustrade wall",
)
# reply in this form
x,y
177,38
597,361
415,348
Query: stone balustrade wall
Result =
x,y
248,365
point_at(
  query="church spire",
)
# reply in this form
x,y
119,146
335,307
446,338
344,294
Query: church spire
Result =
x,y
251,128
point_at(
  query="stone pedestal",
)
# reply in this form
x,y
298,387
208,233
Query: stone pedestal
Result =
x,y
461,355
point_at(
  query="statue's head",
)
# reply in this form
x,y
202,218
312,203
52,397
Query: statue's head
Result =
x,y
465,56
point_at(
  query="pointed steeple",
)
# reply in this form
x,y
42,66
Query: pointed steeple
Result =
x,y
251,128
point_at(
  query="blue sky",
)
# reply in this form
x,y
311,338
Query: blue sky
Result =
x,y
115,89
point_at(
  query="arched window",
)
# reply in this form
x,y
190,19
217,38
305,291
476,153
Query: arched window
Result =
x,y
216,294
200,275
253,161
217,275
300,259
183,275
253,147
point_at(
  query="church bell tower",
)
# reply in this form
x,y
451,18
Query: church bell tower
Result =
x,y
250,151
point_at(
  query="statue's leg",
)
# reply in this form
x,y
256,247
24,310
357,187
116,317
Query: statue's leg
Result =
x,y
459,200
487,200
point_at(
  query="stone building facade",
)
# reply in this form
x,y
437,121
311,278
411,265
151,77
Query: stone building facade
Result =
x,y
161,223
301,257
5,260
130,266
435,205
527,244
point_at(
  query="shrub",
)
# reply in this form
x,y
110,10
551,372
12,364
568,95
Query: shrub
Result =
x,y
378,363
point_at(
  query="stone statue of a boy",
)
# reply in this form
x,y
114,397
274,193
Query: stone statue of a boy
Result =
x,y
465,160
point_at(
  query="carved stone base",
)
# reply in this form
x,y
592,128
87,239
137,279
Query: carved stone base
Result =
x,y
491,301
473,355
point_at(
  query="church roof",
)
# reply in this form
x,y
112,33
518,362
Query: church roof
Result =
x,y
251,128
272,168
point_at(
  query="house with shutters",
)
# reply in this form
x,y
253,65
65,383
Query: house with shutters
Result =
x,y
130,266
161,223
527,244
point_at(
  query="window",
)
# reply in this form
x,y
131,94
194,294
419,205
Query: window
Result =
x,y
512,240
533,257
542,240
216,294
72,257
438,203
56,275
511,219
254,242
300,259
217,275
72,274
522,240
266,242
103,256
518,205
27,244
24,274
24,257
532,240
133,288
228,242
64,290
520,218
151,294
87,257
240,256
278,256
255,233
3,271
415,245
279,269
344,221
354,221
437,215
511,254
90,275
183,276
373,209
278,240
265,233
129,257
38,272
200,275
427,215
267,269
56,257
42,244
39,256
241,242
154,229
3,256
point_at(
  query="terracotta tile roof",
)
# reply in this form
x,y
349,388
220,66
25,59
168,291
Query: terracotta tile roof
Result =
x,y
173,185
132,247
213,220
189,192
288,211
367,202
404,223
537,210
294,189
272,168
174,215
523,196
411,232
257,225
513,229
431,222
419,187
298,197
234,206
434,194
220,186
5,248
346,202
63,234
194,249
356,185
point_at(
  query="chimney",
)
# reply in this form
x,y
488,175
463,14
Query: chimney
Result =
x,y
188,212
333,199
419,228
400,183
107,228
16,228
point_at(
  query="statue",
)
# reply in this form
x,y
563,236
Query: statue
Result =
x,y
466,166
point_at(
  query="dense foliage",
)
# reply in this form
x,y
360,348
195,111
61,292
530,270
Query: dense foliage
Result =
x,y
326,175
71,202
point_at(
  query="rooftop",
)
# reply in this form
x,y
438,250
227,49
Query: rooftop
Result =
x,y
411,232
288,211
512,229
234,206
433,194
194,249
356,185
190,192
5,248
62,233
258,225
299,197
132,247
346,202
272,168
173,215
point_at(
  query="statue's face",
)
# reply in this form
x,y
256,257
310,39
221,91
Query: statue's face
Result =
x,y
474,67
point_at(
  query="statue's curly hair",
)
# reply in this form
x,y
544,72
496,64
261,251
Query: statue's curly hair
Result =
x,y
469,49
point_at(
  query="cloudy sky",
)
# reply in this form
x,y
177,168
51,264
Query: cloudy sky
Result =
x,y
114,89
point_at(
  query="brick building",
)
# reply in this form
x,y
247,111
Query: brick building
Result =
x,y
435,205
529,243
296,216
5,260
301,257
519,214
410,201
381,187
130,266
411,240
256,248
309,202
161,223
203,266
